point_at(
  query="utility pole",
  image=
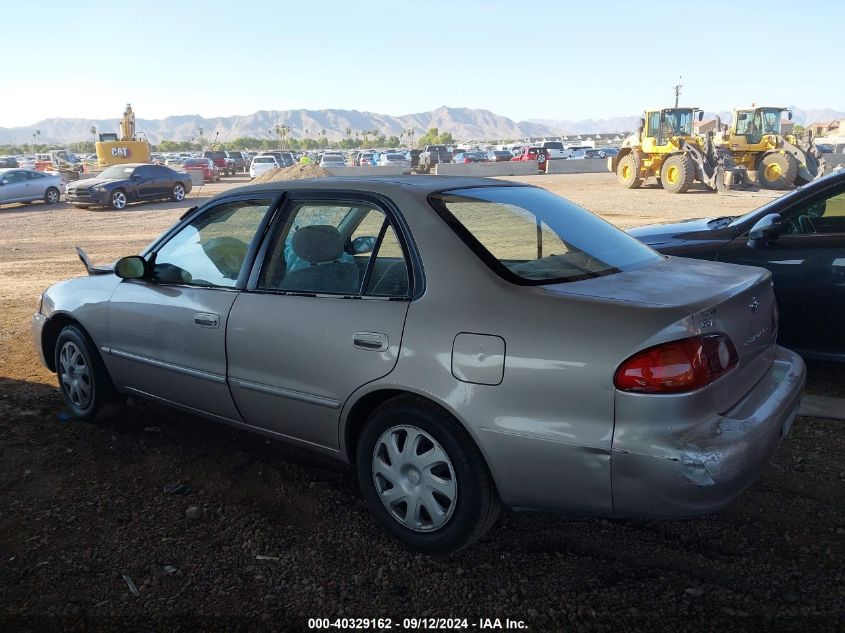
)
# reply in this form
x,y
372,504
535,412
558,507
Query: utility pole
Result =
x,y
677,87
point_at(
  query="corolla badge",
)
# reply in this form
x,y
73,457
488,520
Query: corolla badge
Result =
x,y
754,305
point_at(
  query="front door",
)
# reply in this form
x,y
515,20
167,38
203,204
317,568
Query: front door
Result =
x,y
808,268
167,333
14,186
322,316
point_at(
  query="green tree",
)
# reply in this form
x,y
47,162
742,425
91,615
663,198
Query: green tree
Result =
x,y
393,141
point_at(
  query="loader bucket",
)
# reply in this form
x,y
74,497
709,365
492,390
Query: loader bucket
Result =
x,y
811,162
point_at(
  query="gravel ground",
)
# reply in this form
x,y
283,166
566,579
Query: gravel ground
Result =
x,y
264,536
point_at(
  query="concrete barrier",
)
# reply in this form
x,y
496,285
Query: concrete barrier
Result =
x,y
504,168
586,166
367,171
196,177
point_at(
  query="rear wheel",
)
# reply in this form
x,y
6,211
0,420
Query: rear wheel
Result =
x,y
83,379
677,173
51,196
777,171
628,172
424,478
178,193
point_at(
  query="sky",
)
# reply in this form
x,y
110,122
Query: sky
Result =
x,y
535,59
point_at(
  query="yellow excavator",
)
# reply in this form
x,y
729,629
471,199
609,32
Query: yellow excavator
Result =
x,y
756,143
666,148
128,148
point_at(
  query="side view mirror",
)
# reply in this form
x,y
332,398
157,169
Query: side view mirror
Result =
x,y
701,115
3,182
136,177
363,244
132,267
789,115
766,228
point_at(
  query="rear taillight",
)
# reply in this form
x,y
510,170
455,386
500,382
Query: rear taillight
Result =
x,y
677,366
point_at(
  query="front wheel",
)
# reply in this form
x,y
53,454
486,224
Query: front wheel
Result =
x,y
178,193
424,478
628,172
118,199
51,196
83,378
677,173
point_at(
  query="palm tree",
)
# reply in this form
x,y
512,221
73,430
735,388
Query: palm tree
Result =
x,y
201,132
348,132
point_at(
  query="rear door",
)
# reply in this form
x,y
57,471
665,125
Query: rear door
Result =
x,y
323,315
167,333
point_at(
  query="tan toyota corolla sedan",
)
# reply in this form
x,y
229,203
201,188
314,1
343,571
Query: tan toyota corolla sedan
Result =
x,y
465,343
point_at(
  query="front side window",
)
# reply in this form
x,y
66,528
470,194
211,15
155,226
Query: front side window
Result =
x,y
211,250
530,236
825,215
335,248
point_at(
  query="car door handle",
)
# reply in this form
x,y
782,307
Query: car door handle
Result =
x,y
207,319
371,341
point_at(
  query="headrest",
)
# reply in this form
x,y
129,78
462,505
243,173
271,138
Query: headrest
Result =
x,y
317,243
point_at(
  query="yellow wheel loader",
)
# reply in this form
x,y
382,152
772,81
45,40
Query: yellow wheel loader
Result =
x,y
779,161
666,148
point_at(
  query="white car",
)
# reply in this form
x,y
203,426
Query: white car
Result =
x,y
27,185
392,159
332,160
261,165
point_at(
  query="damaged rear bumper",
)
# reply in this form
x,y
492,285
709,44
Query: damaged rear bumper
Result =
x,y
684,471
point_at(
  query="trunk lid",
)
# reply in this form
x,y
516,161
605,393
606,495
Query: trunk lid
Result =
x,y
717,298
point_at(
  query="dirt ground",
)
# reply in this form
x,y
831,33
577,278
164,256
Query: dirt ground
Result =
x,y
284,536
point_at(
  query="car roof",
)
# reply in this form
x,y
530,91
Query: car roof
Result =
x,y
424,185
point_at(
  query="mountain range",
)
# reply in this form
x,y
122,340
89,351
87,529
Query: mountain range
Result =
x,y
465,124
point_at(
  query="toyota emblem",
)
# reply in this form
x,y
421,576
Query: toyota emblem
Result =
x,y
754,305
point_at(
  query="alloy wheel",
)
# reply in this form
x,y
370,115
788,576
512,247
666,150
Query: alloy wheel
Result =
x,y
414,478
118,199
75,375
52,196
178,192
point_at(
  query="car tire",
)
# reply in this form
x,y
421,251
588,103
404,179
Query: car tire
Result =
x,y
459,504
83,379
777,171
52,195
628,172
178,193
677,173
118,199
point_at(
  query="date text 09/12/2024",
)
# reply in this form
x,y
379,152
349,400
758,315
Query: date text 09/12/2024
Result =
x,y
412,624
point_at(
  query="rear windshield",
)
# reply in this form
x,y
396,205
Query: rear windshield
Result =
x,y
553,145
437,148
215,155
530,236
264,159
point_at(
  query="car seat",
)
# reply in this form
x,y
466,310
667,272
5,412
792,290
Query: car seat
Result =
x,y
322,247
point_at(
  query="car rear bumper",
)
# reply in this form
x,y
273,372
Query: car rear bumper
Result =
x,y
699,470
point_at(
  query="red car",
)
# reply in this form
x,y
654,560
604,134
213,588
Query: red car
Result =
x,y
210,172
540,155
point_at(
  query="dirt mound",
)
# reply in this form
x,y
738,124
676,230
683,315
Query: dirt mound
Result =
x,y
293,172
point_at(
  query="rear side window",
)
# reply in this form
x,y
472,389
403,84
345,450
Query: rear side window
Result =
x,y
530,236
336,248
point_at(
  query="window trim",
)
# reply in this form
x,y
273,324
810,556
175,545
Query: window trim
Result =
x,y
275,199
351,197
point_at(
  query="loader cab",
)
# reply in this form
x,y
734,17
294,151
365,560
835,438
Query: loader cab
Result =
x,y
663,125
757,123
